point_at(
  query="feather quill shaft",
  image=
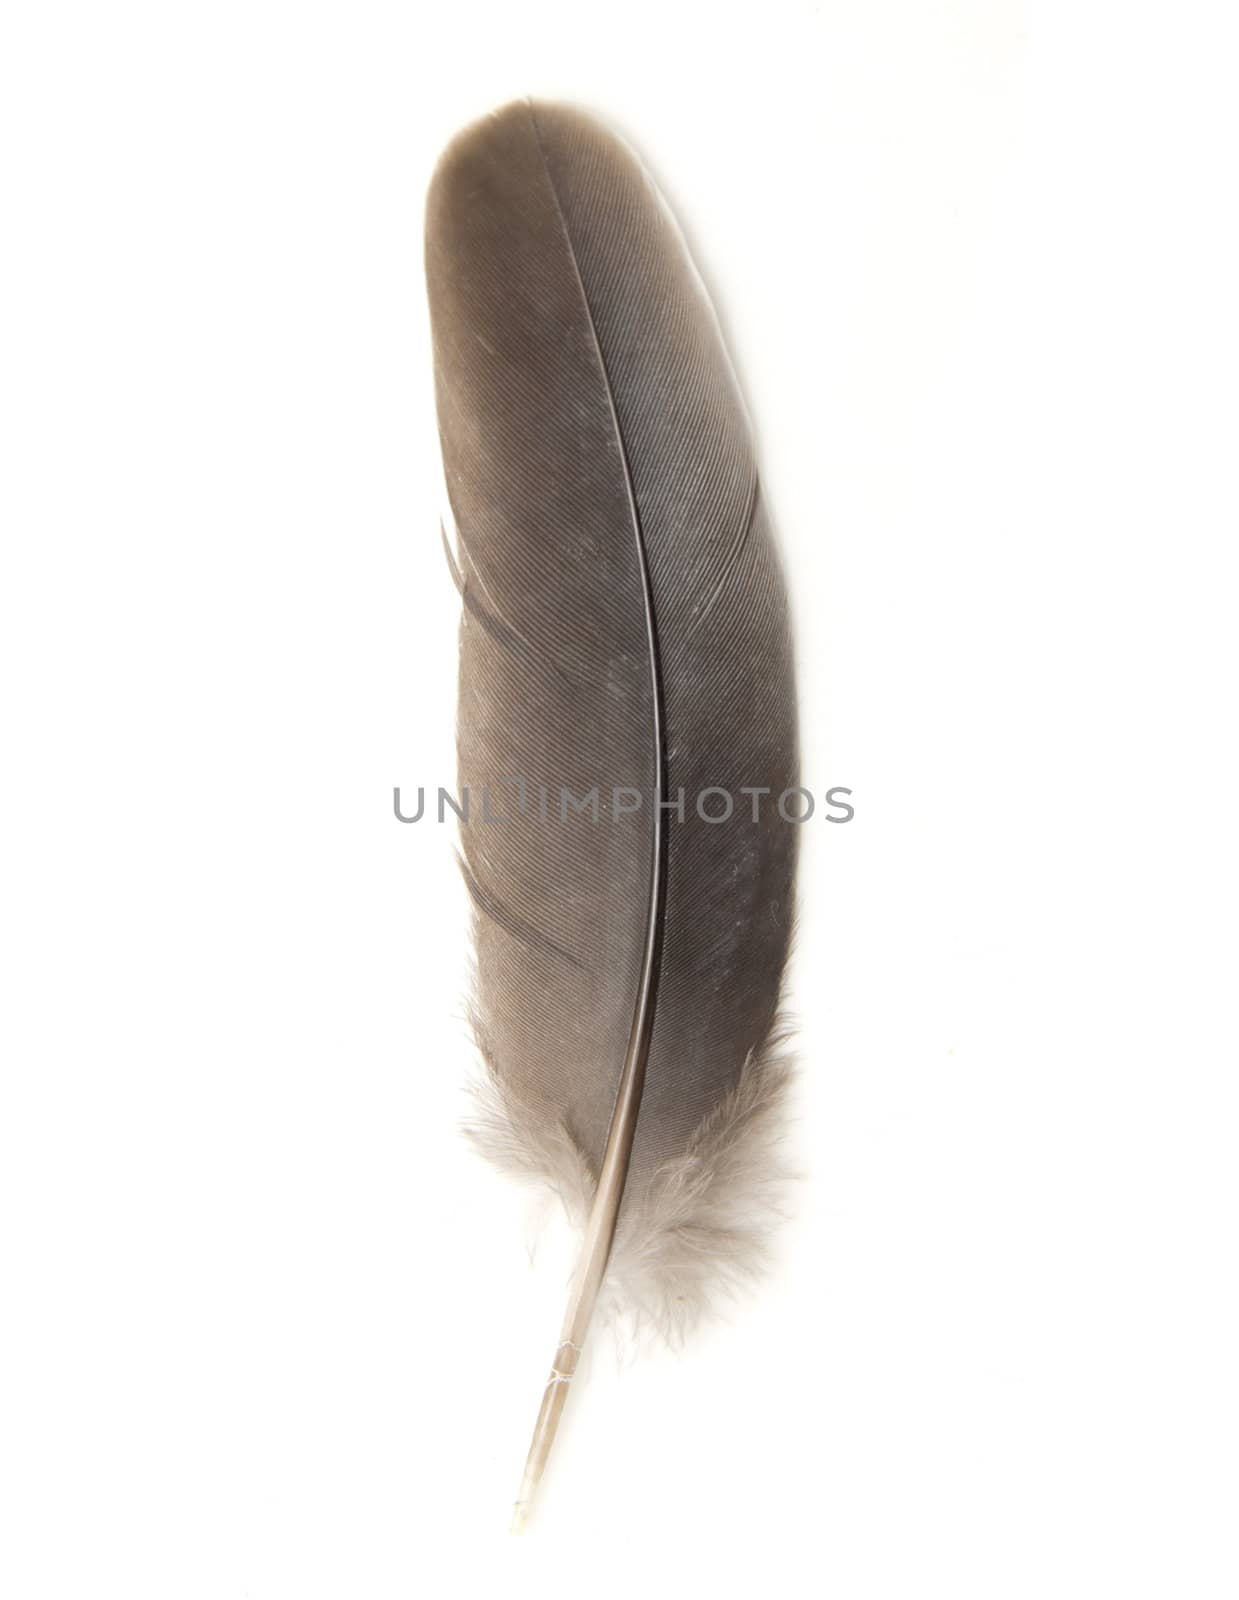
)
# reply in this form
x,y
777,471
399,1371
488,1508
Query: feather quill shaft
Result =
x,y
600,1228
595,1249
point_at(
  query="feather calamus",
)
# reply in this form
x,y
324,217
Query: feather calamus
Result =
x,y
626,686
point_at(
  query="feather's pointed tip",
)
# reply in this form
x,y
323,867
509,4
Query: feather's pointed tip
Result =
x,y
517,1525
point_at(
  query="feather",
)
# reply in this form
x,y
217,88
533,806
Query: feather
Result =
x,y
626,705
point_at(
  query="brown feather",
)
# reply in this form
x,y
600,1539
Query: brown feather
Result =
x,y
625,627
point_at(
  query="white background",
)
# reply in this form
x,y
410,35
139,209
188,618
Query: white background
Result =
x,y
269,1330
